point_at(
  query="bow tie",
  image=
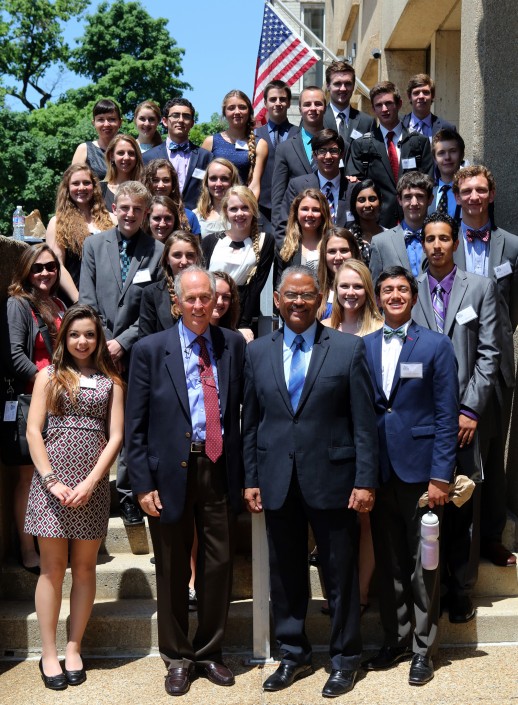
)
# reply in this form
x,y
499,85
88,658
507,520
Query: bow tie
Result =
x,y
412,235
179,147
236,244
389,333
484,234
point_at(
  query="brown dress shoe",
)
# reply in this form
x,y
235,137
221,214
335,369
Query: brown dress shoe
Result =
x,y
217,673
178,680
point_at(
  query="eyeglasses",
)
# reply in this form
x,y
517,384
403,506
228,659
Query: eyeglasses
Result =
x,y
38,268
180,116
307,296
322,151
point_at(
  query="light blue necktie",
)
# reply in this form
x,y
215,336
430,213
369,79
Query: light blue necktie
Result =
x,y
297,371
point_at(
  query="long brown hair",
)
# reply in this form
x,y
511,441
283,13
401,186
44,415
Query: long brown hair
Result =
x,y
150,105
247,196
250,125
111,170
71,227
204,205
369,318
231,317
178,236
293,238
22,288
66,373
171,206
150,171
325,277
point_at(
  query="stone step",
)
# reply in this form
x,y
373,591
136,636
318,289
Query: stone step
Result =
x,y
129,627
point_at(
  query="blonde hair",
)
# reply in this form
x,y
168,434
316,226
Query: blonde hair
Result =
x,y
111,171
324,275
247,196
293,238
204,205
369,318
150,105
250,125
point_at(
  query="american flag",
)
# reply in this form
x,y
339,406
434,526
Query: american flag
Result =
x,y
282,56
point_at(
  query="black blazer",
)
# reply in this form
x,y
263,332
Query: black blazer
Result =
x,y
357,121
155,309
437,123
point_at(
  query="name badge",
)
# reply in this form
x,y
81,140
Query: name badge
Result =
x,y
503,270
466,315
409,163
198,173
241,144
10,410
142,276
349,217
342,164
355,134
411,370
88,382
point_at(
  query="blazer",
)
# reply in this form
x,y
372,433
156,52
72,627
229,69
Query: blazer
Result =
x,y
290,161
361,122
503,248
199,159
437,123
368,158
101,283
19,332
418,423
265,198
158,420
298,184
155,309
387,250
330,440
476,343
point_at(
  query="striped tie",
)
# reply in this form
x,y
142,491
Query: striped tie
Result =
x,y
438,307
297,372
328,193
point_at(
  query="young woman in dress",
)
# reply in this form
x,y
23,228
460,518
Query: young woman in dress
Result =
x,y
338,245
365,207
80,211
69,500
147,118
124,163
219,176
354,311
160,179
25,351
238,142
226,311
241,251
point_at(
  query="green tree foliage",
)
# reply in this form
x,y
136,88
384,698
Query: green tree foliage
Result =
x,y
204,129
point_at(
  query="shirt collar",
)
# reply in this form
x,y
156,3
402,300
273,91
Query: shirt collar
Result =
x,y
132,241
272,126
345,111
404,327
169,142
407,229
187,336
414,120
446,283
465,227
440,183
323,180
306,136
308,335
397,130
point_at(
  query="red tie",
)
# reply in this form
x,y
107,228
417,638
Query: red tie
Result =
x,y
213,437
392,154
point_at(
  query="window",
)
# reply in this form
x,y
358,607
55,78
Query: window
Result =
x,y
313,18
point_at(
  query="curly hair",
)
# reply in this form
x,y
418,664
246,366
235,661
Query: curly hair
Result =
x,y
250,125
150,171
111,170
71,227
293,238
370,318
247,196
231,317
204,205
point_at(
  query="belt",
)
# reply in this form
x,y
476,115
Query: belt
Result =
x,y
198,447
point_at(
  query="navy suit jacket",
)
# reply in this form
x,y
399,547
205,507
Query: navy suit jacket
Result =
x,y
361,122
418,423
265,199
199,159
158,420
437,123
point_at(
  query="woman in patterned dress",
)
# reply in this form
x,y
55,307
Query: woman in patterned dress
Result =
x,y
69,499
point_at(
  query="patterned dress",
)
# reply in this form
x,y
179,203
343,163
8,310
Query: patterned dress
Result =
x,y
74,443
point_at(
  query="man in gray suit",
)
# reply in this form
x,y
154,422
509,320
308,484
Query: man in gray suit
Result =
x,y
402,245
463,307
348,122
116,266
493,253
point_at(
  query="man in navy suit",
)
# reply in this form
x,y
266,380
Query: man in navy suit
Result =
x,y
421,94
310,452
416,397
277,100
340,116
185,389
189,160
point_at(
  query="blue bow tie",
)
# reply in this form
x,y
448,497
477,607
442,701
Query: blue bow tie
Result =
x,y
389,333
179,147
412,235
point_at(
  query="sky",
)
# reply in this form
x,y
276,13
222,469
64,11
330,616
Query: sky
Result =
x,y
221,41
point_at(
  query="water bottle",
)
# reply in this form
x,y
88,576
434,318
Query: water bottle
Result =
x,y
429,541
19,224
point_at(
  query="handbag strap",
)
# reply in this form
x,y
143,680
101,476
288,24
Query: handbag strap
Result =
x,y
45,333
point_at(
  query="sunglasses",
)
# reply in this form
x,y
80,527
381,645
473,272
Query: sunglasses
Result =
x,y
38,268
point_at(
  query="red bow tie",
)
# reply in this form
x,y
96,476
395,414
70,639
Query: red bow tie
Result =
x,y
483,234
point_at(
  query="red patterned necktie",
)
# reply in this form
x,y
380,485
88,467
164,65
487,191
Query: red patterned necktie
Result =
x,y
213,437
483,234
392,154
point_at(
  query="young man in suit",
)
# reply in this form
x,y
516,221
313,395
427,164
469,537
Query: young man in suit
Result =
x,y
277,100
310,452
416,397
463,307
491,252
448,154
402,245
389,151
184,457
421,94
340,116
189,160
115,268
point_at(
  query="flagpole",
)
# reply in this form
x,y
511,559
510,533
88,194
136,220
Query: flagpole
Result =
x,y
359,84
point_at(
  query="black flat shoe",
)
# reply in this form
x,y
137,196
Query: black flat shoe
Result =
x,y
75,677
58,682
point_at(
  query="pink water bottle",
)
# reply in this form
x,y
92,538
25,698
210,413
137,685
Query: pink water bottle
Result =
x,y
429,541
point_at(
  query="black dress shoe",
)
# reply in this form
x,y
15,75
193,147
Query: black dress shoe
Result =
x,y
421,670
178,680
386,657
461,609
130,513
339,683
58,682
217,673
286,675
75,677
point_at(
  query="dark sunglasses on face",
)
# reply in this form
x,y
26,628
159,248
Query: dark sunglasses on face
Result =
x,y
38,268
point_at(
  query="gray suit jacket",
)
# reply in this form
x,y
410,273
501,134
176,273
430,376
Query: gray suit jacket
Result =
x,y
503,248
101,283
290,161
387,250
361,122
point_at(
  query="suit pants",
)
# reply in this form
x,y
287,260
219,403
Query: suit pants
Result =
x,y
408,593
336,534
207,506
460,546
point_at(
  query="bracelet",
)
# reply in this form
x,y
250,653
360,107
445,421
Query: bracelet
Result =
x,y
51,484
50,477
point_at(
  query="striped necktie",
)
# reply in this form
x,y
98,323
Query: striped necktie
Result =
x,y
328,193
213,437
438,307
